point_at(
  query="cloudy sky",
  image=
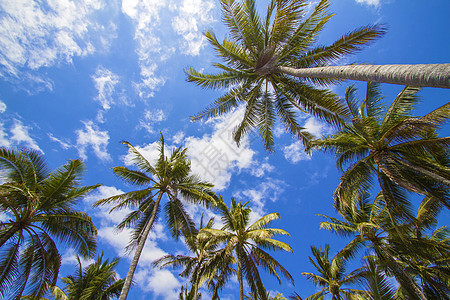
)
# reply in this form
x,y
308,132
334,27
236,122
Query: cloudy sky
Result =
x,y
79,76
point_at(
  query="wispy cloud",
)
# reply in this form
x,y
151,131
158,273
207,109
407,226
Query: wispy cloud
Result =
x,y
295,152
216,156
2,107
375,3
192,16
91,136
268,190
156,42
35,34
64,144
105,82
150,118
20,136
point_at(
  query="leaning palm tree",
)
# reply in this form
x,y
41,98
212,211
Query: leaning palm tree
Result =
x,y
389,143
247,243
270,62
170,177
40,205
332,276
97,281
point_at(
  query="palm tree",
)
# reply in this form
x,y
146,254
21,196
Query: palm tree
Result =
x,y
170,176
278,296
201,266
247,243
270,62
332,276
391,144
186,294
40,204
376,282
97,281
397,249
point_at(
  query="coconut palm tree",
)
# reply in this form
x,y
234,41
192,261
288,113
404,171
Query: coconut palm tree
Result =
x,y
269,62
40,205
332,276
397,148
201,266
376,282
97,281
247,243
170,177
398,250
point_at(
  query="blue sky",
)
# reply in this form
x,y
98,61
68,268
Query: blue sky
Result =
x,y
78,77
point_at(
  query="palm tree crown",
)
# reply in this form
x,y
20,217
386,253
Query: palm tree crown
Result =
x,y
392,144
170,176
41,207
332,276
200,266
97,281
248,242
254,57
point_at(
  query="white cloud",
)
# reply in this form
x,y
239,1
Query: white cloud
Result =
x,y
2,107
4,141
369,2
70,258
20,135
64,144
214,157
92,137
150,118
295,152
145,15
193,14
156,42
269,190
317,127
35,34
259,169
160,282
178,137
105,82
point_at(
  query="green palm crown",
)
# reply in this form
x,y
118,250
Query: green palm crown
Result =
x,y
40,205
254,55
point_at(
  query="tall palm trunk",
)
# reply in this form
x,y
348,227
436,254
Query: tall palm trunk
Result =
x,y
240,280
196,286
139,248
430,75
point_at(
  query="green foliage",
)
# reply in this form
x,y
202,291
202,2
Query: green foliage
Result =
x,y
97,281
402,151
247,243
331,275
402,250
255,51
40,205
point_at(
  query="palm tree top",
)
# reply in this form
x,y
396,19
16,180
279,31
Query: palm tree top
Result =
x,y
255,56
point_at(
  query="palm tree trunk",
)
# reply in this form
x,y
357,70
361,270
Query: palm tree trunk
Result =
x,y
139,248
9,233
195,290
430,75
241,283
